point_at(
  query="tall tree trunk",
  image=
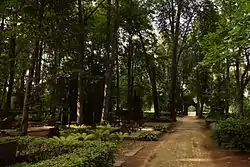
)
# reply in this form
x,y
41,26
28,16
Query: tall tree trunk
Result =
x,y
227,86
117,83
239,90
199,108
175,30
152,76
173,84
116,55
240,104
108,92
129,66
73,96
22,82
54,74
154,91
3,96
82,100
24,123
81,84
108,64
12,55
2,28
2,22
38,65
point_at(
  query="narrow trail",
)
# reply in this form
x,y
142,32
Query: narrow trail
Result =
x,y
190,145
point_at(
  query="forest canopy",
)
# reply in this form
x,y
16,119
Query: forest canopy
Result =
x,y
92,61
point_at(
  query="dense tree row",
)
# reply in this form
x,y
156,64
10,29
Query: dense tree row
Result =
x,y
88,60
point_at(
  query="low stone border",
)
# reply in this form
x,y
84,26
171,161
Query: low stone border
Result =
x,y
119,163
134,151
135,135
203,159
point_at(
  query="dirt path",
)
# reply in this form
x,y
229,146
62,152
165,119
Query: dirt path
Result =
x,y
190,145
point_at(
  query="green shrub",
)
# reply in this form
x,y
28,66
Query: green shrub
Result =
x,y
119,135
6,139
105,127
21,140
74,129
232,133
92,154
98,133
162,117
161,128
26,146
76,137
90,137
32,149
101,131
40,150
212,115
148,136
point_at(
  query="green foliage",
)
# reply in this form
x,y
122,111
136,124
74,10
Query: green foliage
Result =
x,y
101,134
80,127
148,136
162,117
161,128
91,154
95,155
64,131
99,130
39,150
72,137
247,108
26,145
105,127
216,116
32,149
232,133
119,135
90,137
6,139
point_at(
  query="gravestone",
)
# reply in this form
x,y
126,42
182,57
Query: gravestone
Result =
x,y
7,153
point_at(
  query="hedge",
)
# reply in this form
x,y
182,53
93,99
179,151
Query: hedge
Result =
x,y
232,133
151,117
33,149
27,147
90,154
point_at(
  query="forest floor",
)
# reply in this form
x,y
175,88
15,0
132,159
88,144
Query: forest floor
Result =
x,y
188,144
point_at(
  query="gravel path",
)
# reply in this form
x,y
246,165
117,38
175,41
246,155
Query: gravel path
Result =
x,y
190,145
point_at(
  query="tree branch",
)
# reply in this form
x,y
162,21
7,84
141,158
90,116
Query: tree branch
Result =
x,y
93,11
184,37
172,18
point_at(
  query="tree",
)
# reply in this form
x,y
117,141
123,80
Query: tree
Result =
x,y
230,43
174,20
